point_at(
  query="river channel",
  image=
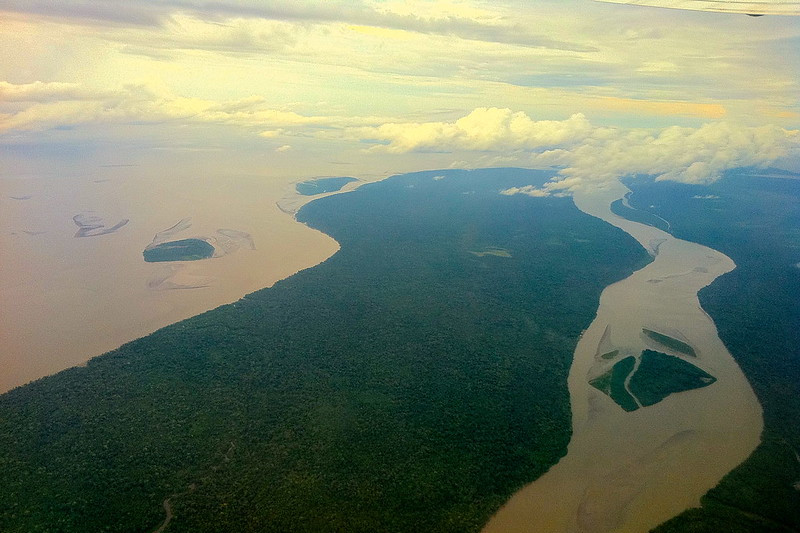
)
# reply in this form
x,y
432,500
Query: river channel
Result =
x,y
630,471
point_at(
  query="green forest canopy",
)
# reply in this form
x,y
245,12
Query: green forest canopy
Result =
x,y
403,385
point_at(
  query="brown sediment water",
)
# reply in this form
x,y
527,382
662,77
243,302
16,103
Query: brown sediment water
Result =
x,y
630,471
64,300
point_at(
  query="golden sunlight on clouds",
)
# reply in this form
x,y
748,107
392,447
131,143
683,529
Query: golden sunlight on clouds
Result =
x,y
593,156
482,129
483,79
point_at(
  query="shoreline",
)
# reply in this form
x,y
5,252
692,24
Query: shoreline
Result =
x,y
631,471
84,321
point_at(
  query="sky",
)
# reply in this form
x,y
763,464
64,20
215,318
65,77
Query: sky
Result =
x,y
368,88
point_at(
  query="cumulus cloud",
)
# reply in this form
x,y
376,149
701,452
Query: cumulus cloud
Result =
x,y
590,156
689,155
482,129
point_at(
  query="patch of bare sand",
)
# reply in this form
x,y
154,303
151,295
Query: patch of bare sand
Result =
x,y
630,471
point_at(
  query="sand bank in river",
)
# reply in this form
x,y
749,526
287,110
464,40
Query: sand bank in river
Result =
x,y
630,471
64,300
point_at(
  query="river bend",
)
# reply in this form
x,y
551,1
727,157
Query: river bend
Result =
x,y
630,471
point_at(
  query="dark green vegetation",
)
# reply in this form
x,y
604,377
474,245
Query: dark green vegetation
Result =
x,y
403,385
670,342
610,355
657,376
321,185
660,375
756,222
612,383
182,250
619,208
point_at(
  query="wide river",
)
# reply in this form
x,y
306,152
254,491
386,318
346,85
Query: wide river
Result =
x,y
630,471
66,299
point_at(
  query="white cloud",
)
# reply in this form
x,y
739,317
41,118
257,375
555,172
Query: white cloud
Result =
x,y
528,190
590,156
482,129
689,155
284,148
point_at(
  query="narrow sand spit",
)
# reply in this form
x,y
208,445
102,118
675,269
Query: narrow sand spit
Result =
x,y
630,471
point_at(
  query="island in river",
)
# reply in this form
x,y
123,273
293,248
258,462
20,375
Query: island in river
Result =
x,y
180,250
322,185
753,216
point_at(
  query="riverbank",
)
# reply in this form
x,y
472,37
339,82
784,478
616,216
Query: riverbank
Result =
x,y
630,471
66,299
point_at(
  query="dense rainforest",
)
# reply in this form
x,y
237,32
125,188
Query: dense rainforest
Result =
x,y
755,220
412,382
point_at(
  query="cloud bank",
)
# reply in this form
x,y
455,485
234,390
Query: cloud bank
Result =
x,y
585,155
589,156
42,106
688,155
482,129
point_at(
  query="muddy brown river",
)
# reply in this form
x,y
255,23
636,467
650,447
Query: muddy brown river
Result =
x,y
73,281
630,471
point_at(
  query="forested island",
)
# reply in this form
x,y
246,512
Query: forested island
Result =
x,y
755,220
658,375
406,384
180,250
322,185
